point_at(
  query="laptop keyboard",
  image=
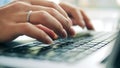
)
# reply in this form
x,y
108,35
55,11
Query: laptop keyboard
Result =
x,y
62,50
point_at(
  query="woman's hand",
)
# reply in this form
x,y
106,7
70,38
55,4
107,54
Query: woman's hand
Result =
x,y
71,12
47,20
77,16
45,24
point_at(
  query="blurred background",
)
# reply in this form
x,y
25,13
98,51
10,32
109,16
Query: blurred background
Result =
x,y
104,14
95,3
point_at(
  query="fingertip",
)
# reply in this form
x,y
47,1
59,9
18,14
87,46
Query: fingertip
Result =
x,y
81,24
50,32
64,33
72,32
55,37
48,40
90,26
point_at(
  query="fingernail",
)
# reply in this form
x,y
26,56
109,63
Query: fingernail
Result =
x,y
72,32
48,40
63,34
90,27
55,37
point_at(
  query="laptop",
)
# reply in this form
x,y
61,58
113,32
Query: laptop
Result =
x,y
86,49
114,57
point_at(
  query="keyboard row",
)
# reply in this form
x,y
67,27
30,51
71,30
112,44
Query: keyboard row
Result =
x,y
63,49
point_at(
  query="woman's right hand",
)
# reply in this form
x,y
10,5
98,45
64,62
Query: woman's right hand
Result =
x,y
45,24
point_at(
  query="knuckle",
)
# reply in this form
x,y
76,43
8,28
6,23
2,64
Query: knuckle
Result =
x,y
67,24
40,16
20,5
25,27
52,11
43,14
74,9
53,5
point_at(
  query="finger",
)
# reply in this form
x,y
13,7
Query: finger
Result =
x,y
64,21
87,21
44,18
22,17
53,12
49,4
77,17
48,31
32,31
74,14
